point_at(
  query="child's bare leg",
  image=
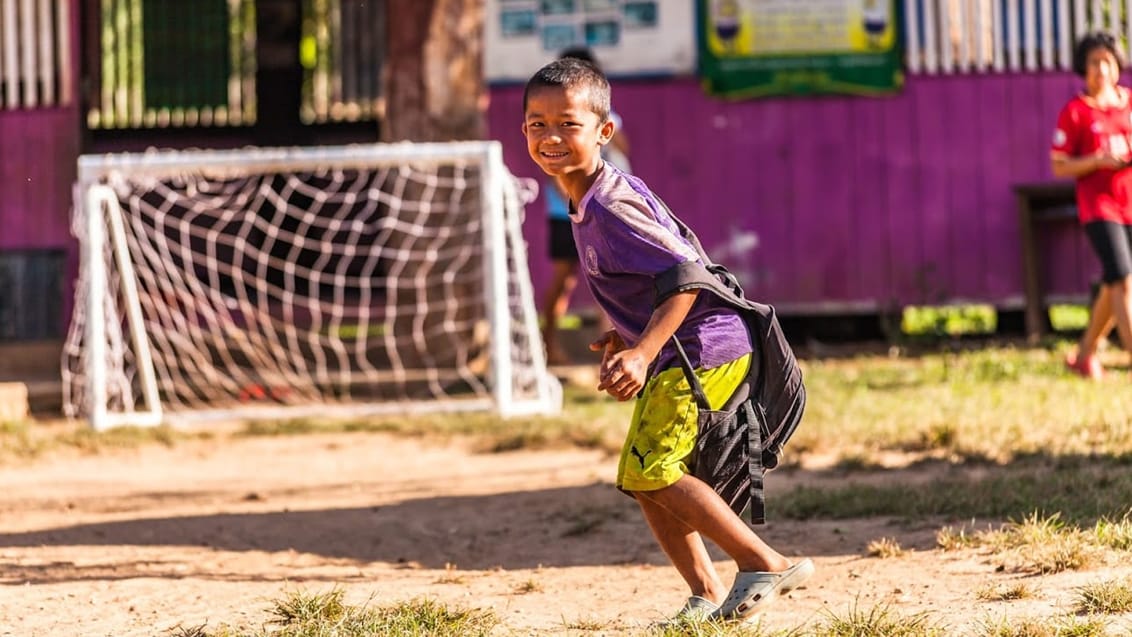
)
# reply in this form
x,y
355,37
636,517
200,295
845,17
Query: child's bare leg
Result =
x,y
685,548
557,299
700,508
1100,323
1120,293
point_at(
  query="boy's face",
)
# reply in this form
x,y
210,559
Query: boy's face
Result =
x,y
564,136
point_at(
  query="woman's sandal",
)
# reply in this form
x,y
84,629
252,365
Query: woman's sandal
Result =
x,y
753,590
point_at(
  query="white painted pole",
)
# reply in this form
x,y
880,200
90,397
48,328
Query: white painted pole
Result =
x,y
982,55
931,61
914,56
996,28
946,58
1013,37
46,40
93,253
1064,35
10,40
495,249
1048,44
121,249
63,48
1080,19
28,53
1029,35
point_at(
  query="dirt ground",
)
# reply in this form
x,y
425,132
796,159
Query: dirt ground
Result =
x,y
140,541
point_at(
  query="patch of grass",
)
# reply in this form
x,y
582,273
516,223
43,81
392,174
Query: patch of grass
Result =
x,y
27,440
996,402
1110,596
303,614
1044,545
1008,592
715,628
878,621
1078,493
589,420
587,624
452,576
1038,543
1067,626
953,539
530,586
1116,534
1068,317
949,320
884,548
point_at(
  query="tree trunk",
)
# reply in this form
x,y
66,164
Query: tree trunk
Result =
x,y
433,80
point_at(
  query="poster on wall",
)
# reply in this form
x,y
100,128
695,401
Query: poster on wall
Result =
x,y
628,37
753,48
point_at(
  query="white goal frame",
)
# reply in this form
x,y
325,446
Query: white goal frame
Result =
x,y
98,215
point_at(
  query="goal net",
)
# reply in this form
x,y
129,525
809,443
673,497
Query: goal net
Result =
x,y
279,283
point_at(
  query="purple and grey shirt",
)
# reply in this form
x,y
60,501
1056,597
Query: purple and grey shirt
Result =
x,y
625,240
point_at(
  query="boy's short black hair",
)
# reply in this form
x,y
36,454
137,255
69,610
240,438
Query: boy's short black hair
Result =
x,y
1090,42
573,73
580,52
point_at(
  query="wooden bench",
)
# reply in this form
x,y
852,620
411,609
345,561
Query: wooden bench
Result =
x,y
1040,205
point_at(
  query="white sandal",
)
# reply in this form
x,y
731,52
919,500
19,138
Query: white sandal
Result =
x,y
753,590
696,609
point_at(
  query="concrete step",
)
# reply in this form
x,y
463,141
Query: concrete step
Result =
x,y
13,402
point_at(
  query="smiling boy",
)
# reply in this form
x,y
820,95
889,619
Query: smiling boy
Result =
x,y
625,241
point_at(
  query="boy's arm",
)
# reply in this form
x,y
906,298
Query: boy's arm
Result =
x,y
623,373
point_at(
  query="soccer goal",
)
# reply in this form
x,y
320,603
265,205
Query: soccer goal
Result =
x,y
290,283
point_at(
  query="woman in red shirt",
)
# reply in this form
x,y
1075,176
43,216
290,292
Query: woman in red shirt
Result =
x,y
1092,145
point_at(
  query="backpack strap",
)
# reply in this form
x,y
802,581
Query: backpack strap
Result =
x,y
748,418
690,374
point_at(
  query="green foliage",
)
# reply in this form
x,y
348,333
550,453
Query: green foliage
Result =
x,y
949,320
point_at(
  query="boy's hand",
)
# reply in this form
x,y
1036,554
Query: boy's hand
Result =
x,y
622,370
623,374
609,344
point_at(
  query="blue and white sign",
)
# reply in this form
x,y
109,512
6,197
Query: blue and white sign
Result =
x,y
628,37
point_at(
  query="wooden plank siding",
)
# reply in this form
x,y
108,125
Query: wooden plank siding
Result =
x,y
39,149
860,204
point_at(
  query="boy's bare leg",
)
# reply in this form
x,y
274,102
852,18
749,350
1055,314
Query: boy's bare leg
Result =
x,y
700,508
685,549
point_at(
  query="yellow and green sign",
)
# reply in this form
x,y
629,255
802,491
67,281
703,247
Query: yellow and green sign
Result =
x,y
754,48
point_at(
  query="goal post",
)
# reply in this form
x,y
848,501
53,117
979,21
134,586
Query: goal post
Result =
x,y
278,283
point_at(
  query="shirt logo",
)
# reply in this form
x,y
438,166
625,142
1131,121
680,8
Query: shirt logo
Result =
x,y
1059,137
591,261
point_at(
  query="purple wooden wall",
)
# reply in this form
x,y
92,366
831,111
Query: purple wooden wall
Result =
x,y
859,204
39,150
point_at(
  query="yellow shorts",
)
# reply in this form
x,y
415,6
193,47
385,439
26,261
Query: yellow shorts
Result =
x,y
663,431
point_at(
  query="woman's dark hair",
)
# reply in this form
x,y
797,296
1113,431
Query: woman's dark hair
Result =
x,y
1090,42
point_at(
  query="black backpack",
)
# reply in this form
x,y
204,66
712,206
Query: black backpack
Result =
x,y
738,443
